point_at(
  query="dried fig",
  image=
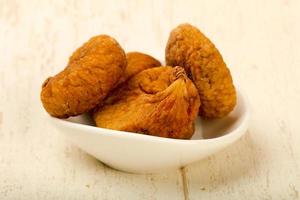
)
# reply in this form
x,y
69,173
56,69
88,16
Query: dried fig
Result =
x,y
189,48
137,62
160,101
93,70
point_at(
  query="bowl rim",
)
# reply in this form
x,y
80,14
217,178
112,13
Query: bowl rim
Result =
x,y
108,132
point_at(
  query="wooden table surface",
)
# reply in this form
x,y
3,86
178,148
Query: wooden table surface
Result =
x,y
260,42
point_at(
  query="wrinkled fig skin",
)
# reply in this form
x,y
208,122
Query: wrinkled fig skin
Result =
x,y
189,48
93,70
160,101
137,62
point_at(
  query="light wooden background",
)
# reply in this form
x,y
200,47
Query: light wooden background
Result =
x,y
259,40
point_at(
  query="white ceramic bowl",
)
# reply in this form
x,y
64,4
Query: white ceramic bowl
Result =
x,y
139,153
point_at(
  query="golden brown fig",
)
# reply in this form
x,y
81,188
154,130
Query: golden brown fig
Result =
x,y
93,70
189,48
137,62
160,101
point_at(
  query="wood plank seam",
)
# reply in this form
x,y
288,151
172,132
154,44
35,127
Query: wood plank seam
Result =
x,y
184,184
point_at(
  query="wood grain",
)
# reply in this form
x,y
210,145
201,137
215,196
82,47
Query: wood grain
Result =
x,y
260,43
